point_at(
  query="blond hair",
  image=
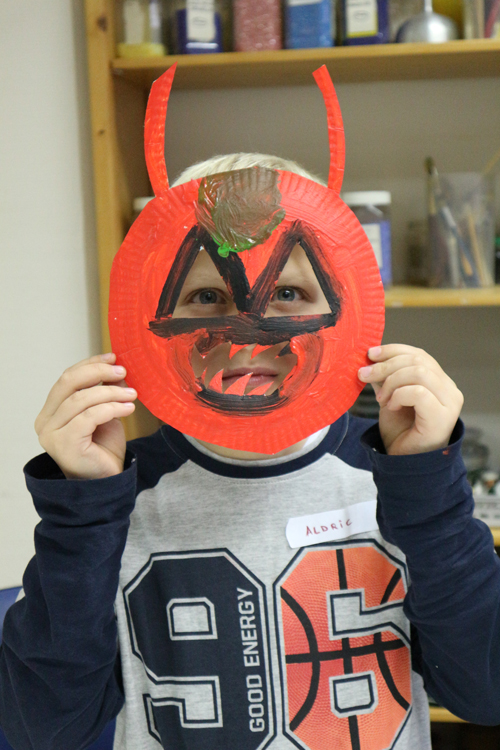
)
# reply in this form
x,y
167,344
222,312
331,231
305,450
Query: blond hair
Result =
x,y
231,162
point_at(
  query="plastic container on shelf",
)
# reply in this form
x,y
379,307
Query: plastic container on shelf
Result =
x,y
196,26
461,217
481,19
373,210
309,23
141,28
365,22
256,25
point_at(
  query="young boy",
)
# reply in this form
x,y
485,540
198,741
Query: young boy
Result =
x,y
166,590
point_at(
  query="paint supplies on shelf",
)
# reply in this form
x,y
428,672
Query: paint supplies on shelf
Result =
x,y
373,210
365,22
196,26
256,25
481,19
141,28
461,228
492,19
309,23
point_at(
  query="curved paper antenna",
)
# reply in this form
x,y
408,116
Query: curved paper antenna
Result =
x,y
336,138
154,131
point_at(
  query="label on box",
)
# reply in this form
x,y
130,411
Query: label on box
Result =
x,y
200,20
294,3
361,18
374,235
379,236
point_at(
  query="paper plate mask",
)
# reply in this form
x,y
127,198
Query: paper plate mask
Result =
x,y
248,222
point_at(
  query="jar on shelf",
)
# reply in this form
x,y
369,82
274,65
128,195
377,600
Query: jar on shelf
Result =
x,y
196,26
256,25
365,22
309,23
141,29
373,211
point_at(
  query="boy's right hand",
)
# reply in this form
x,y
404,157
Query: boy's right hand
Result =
x,y
79,425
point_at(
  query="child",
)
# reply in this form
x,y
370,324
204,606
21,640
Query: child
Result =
x,y
164,589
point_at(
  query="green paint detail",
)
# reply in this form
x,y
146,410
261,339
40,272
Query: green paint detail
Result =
x,y
227,248
240,209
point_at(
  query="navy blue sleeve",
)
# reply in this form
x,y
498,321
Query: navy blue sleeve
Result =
x,y
59,677
453,602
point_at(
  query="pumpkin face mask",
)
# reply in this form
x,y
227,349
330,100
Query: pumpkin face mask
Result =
x,y
243,304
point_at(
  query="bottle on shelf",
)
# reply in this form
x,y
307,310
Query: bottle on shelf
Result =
x,y
309,23
373,210
196,26
256,25
365,22
141,28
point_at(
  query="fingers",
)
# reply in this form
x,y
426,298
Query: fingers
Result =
x,y
419,402
418,397
415,375
398,365
87,421
79,425
84,400
394,357
85,374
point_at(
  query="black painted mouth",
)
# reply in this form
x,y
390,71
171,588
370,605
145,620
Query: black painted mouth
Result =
x,y
234,398
231,403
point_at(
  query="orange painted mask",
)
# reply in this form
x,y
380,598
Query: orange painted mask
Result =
x,y
248,221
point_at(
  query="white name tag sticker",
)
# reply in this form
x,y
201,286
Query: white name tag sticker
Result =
x,y
332,524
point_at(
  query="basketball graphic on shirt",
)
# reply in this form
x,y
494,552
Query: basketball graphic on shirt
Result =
x,y
345,647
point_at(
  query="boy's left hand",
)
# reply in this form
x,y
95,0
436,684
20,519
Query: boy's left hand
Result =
x,y
419,403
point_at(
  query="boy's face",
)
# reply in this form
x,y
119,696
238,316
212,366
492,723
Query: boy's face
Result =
x,y
204,294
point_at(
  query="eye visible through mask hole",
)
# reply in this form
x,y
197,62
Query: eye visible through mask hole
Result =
x,y
253,369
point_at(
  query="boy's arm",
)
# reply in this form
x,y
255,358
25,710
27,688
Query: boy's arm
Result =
x,y
425,508
59,678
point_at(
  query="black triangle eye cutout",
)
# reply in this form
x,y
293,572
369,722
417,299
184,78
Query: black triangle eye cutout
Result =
x,y
298,234
231,270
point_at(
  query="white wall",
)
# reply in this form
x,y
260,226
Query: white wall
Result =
x,y
48,285
48,280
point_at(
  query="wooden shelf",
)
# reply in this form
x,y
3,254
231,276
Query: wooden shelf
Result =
x,y
442,714
407,296
475,58
496,536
